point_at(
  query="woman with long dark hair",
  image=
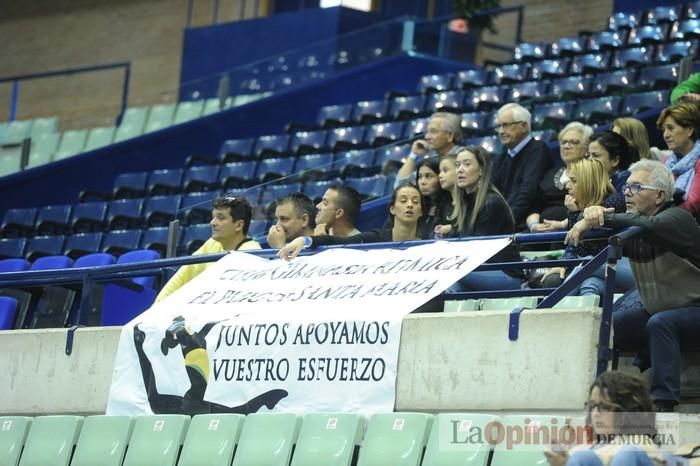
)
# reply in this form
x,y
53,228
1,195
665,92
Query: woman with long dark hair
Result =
x,y
616,154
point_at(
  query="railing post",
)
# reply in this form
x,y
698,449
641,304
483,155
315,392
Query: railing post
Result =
x,y
13,100
409,29
125,93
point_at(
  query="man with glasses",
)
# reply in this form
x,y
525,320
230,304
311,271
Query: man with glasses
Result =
x,y
443,136
665,261
230,219
517,173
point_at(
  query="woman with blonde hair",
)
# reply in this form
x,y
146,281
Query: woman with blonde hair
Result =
x,y
635,133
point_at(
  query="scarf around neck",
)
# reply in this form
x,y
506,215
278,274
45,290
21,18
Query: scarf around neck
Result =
x,y
683,169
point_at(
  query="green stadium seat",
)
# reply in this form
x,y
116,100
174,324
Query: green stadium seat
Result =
x,y
159,117
507,304
212,106
10,159
461,305
536,429
267,439
187,111
43,148
578,302
43,126
211,440
17,131
328,439
13,432
3,131
103,441
395,438
448,445
132,125
72,143
99,137
51,440
156,440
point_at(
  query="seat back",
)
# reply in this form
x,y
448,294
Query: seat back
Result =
x,y
51,440
395,438
12,247
187,111
159,117
494,304
448,443
267,439
14,265
578,302
132,124
72,143
211,440
526,453
43,148
140,255
80,244
156,440
8,310
99,137
13,433
461,305
103,441
328,439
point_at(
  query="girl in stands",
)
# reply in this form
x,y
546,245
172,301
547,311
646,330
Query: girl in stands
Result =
x,y
480,210
405,209
621,425
434,198
635,133
681,127
616,154
448,183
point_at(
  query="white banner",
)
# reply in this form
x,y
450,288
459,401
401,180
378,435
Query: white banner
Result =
x,y
320,333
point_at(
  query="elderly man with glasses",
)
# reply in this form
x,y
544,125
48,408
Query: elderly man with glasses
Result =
x,y
517,173
665,260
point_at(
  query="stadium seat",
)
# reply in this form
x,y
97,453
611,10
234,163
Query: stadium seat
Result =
x,y
201,178
471,78
122,302
598,110
51,440
647,35
622,20
211,440
88,217
40,246
275,191
356,163
54,302
538,427
332,116
234,150
270,169
370,111
17,131
657,77
130,185
340,139
692,10
13,433
272,145
43,148
99,137
53,220
238,174
633,104
589,63
103,441
489,143
8,311
124,214
485,98
267,439
435,83
397,439
448,445
605,40
159,117
474,123
614,81
156,440
308,142
512,73
197,207
195,236
132,125
553,68
567,46
407,107
662,14
632,57
91,315
164,182
118,242
312,167
578,302
72,143
552,116
18,222
461,305
10,159
527,52
494,304
688,29
159,211
155,238
215,105
445,101
369,187
328,439
258,228
43,125
672,52
532,90
380,134
415,126
187,111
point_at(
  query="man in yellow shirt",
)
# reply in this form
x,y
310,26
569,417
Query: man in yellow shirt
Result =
x,y
230,219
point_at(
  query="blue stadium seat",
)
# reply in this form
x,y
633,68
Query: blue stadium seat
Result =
x,y
471,78
130,185
238,174
12,247
369,187
380,134
688,29
124,214
120,241
487,97
531,90
662,14
489,143
614,81
573,86
271,145
315,166
634,56
446,100
589,63
545,136
315,189
552,116
647,35
551,68
197,207
201,178
621,20
370,111
270,169
606,40
435,83
161,210
80,244
567,46
257,228
195,236
357,163
633,104
672,52
332,116
88,217
53,220
598,110
18,222
657,77
346,138
234,150
40,246
512,73
8,311
308,142
164,182
391,158
407,107
14,265
413,127
54,302
155,238
525,51
692,10
473,123
275,191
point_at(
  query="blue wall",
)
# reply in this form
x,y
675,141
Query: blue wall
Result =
x,y
61,182
632,6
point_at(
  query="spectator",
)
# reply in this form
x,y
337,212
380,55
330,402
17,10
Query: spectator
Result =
x,y
615,153
230,219
338,211
589,185
448,184
517,173
573,141
443,136
480,210
622,423
434,197
405,208
687,91
635,133
295,216
665,260
681,127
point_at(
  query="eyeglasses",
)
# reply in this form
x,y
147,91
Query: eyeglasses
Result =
x,y
602,407
570,142
636,188
501,126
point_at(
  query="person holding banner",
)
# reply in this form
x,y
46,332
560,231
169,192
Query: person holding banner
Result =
x,y
337,211
295,216
230,219
405,208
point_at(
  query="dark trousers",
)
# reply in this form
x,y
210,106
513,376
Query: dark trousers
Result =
x,y
659,337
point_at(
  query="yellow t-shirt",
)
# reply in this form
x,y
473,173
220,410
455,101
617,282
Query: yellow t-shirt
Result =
x,y
188,272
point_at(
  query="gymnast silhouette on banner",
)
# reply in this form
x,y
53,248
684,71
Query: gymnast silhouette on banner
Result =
x,y
194,350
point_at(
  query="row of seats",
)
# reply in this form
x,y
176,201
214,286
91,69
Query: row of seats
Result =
x,y
274,439
529,302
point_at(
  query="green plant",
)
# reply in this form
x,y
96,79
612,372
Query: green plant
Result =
x,y
470,10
